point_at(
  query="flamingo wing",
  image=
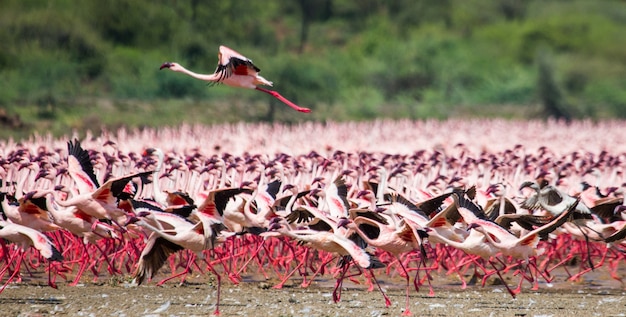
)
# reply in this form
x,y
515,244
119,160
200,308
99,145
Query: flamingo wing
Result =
x,y
557,221
398,198
528,222
231,62
113,188
33,205
433,205
38,240
617,236
217,200
154,255
299,215
81,168
357,253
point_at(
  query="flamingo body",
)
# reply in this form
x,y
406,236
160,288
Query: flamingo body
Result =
x,y
235,70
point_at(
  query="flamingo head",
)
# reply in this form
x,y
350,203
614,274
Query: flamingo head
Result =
x,y
172,66
315,192
131,220
474,226
530,184
29,195
274,227
343,222
41,174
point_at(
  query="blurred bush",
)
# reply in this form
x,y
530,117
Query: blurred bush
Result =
x,y
346,59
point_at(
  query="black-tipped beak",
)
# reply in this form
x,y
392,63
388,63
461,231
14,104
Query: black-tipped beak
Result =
x,y
274,227
131,220
343,222
42,174
143,214
472,226
165,65
525,185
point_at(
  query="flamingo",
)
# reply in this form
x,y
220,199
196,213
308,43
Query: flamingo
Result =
x,y
74,221
92,199
393,238
332,242
552,199
177,234
159,196
27,213
235,70
25,237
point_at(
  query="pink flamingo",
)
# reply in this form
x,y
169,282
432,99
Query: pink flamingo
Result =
x,y
235,70
27,213
97,201
177,234
330,242
522,247
391,237
82,225
25,237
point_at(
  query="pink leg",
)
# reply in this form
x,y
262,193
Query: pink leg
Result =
x,y
283,99
191,258
387,300
504,282
15,271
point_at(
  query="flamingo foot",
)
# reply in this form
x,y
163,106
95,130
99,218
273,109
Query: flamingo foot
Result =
x,y
387,301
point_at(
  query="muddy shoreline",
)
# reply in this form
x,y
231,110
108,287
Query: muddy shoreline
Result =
x,y
197,297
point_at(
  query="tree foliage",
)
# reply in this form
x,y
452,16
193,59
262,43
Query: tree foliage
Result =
x,y
346,59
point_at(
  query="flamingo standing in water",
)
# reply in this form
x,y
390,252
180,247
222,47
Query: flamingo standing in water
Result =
x,y
236,70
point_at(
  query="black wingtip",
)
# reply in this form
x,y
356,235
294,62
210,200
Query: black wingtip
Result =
x,y
76,150
56,255
376,263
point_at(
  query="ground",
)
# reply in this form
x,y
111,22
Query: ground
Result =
x,y
197,297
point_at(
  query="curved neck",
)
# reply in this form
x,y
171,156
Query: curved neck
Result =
x,y
354,226
292,201
205,77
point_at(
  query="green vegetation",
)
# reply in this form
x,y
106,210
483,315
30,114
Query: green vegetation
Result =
x,y
75,65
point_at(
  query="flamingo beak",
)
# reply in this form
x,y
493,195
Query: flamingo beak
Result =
x,y
131,220
274,227
472,226
525,184
343,222
165,65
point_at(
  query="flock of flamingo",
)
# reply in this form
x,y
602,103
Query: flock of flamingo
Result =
x,y
293,203
467,199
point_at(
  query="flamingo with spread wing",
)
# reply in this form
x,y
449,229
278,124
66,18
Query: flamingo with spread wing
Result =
x,y
235,70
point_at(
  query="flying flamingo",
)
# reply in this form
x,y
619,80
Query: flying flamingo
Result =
x,y
236,70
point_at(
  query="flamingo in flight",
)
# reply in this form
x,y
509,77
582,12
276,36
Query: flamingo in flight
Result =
x,y
236,70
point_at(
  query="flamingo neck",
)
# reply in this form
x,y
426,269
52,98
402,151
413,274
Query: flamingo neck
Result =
x,y
205,77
